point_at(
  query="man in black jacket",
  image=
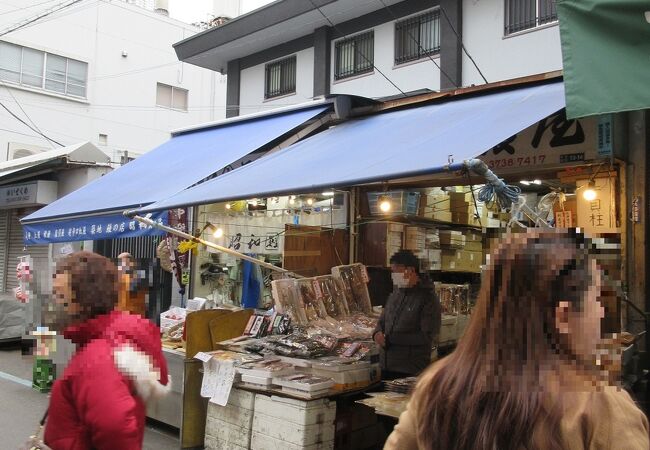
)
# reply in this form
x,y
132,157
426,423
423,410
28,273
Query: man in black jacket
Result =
x,y
410,320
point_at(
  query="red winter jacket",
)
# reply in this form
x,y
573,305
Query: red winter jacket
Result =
x,y
99,402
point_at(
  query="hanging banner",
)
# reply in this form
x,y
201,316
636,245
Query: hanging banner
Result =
x,y
90,229
553,142
178,220
261,235
605,50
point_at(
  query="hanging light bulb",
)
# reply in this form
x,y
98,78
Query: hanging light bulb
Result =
x,y
590,193
228,206
218,233
385,205
310,201
292,199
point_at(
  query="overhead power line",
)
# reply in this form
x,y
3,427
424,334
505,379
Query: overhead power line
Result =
x,y
420,48
39,16
360,53
23,110
28,125
462,46
25,7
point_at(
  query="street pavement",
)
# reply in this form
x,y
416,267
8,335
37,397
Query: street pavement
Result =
x,y
21,407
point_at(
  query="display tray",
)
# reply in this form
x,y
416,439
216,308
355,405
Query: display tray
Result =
x,y
257,381
280,393
305,383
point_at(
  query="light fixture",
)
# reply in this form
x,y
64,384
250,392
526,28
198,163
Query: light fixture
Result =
x,y
537,182
385,203
310,201
218,233
292,199
228,206
590,194
215,231
524,182
328,194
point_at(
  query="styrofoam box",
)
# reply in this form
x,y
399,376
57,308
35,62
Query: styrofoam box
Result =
x,y
292,432
237,435
241,398
262,442
212,443
231,414
303,413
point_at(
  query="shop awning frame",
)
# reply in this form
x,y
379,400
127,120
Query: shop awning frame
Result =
x,y
368,150
191,156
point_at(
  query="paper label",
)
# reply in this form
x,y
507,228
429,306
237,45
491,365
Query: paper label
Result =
x,y
364,274
317,289
225,376
209,383
201,356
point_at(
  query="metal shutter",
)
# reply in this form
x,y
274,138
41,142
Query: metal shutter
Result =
x,y
16,249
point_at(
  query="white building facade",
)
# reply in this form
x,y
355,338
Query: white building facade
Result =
x,y
102,71
290,52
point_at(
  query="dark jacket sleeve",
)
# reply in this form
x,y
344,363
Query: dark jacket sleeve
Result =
x,y
427,328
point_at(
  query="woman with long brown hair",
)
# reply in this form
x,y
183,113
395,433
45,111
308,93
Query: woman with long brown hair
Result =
x,y
526,373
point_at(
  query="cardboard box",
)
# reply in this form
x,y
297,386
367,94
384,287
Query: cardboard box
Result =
x,y
461,260
473,240
451,239
415,233
442,216
466,219
394,239
395,227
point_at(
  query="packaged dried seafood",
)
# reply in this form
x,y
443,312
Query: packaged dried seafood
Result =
x,y
354,279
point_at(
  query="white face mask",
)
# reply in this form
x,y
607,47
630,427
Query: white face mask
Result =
x,y
399,280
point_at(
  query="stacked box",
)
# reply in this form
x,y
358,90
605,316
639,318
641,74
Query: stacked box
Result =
x,y
451,239
438,207
414,238
394,240
432,239
230,426
357,427
434,259
283,423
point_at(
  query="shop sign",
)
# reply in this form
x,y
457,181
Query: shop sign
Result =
x,y
91,228
598,215
247,235
28,194
553,141
605,146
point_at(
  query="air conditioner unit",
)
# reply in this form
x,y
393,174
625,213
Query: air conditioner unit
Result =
x,y
17,150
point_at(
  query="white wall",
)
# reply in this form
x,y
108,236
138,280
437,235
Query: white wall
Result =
x,y
121,97
251,97
502,58
408,77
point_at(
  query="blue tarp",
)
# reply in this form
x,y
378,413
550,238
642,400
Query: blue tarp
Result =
x,y
392,145
90,228
177,164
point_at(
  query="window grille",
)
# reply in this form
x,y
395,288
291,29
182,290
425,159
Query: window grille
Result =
x,y
417,37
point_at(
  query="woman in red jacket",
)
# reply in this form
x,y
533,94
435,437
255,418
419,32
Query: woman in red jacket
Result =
x,y
100,401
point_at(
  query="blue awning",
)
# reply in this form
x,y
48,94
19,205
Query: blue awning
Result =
x,y
181,162
91,228
400,144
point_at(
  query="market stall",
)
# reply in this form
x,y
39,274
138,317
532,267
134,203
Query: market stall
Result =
x,y
450,214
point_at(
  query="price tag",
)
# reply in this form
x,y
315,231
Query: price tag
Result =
x,y
364,274
225,375
201,356
317,289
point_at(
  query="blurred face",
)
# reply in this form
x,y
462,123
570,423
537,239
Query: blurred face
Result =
x,y
583,327
63,310
403,277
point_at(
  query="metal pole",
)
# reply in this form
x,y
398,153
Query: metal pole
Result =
x,y
234,253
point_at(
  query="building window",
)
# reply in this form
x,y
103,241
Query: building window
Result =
x,y
171,97
42,70
526,14
280,78
355,55
417,37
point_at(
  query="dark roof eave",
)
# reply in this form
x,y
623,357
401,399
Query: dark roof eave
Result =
x,y
258,20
